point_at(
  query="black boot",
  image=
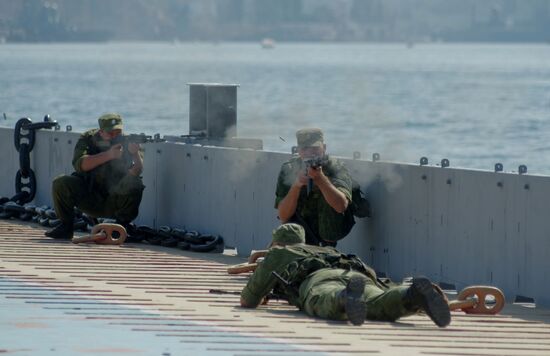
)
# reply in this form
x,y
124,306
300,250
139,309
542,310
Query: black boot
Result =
x,y
63,231
352,300
422,294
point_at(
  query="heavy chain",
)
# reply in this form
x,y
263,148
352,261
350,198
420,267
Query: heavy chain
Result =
x,y
24,139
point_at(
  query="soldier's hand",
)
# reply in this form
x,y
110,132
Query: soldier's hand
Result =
x,y
135,171
315,173
133,148
301,179
115,152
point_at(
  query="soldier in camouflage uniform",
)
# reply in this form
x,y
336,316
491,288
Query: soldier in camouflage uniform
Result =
x,y
325,283
103,184
324,212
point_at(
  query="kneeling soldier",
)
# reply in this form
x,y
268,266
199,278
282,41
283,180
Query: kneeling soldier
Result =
x,y
326,283
103,184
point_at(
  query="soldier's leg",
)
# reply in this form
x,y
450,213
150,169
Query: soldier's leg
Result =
x,y
401,301
72,191
321,296
333,225
321,293
124,199
67,192
322,300
94,205
386,305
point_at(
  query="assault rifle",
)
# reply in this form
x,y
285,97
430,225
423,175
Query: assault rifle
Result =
x,y
269,296
124,140
313,162
133,138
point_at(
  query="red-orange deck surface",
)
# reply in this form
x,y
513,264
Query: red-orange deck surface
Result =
x,y
60,298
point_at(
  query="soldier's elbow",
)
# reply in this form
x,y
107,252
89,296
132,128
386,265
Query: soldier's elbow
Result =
x,y
244,304
341,207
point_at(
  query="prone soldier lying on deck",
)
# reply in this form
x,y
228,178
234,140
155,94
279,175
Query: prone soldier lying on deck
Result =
x,y
326,283
104,183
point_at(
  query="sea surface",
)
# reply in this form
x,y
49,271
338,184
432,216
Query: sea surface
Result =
x,y
474,104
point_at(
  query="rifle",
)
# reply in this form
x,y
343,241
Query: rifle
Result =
x,y
135,138
313,162
269,296
125,140
291,292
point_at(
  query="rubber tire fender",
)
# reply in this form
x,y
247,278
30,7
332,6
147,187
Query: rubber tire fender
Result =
x,y
209,246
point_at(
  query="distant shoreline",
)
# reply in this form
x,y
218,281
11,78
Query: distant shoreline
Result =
x,y
217,42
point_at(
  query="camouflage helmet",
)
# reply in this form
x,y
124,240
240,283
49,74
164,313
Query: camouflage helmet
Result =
x,y
110,122
288,234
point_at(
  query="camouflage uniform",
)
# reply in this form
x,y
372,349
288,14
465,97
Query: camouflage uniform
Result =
x,y
318,293
106,191
324,224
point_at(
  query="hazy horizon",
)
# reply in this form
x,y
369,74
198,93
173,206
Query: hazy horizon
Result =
x,y
283,20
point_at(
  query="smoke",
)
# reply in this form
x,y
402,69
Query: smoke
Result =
x,y
289,179
243,166
244,163
376,176
389,177
274,122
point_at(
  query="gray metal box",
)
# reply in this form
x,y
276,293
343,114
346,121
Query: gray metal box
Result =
x,y
213,109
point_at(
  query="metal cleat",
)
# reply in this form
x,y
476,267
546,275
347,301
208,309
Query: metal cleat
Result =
x,y
473,300
103,234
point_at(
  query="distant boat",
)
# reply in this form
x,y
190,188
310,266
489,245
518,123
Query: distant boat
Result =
x,y
268,43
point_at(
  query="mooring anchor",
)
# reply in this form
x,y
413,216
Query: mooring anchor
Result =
x,y
473,300
103,234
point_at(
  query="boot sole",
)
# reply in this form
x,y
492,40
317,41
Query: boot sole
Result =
x,y
356,308
64,235
59,237
434,304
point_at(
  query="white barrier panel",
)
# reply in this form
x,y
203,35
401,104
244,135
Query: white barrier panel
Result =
x,y
10,163
454,225
51,156
213,190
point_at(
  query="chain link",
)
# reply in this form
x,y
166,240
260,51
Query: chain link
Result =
x,y
22,133
25,188
24,139
24,160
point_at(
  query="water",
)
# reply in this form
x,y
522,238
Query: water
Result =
x,y
475,104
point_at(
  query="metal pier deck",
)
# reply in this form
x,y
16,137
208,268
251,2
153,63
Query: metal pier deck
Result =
x,y
65,299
